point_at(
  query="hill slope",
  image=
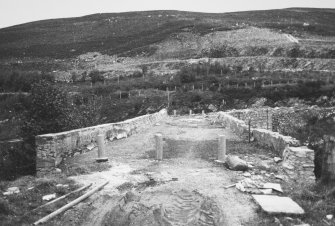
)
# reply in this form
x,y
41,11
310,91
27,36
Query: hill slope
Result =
x,y
119,33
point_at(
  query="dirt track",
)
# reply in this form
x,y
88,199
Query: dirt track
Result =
x,y
186,188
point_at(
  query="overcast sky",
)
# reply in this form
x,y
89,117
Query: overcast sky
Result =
x,y
14,12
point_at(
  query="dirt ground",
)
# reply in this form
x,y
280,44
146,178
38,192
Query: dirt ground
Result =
x,y
186,188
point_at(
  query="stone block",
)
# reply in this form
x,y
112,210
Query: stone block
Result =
x,y
235,163
278,205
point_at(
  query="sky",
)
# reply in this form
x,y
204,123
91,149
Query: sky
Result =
x,y
14,12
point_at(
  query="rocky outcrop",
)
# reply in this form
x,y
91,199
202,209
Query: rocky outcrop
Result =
x,y
51,149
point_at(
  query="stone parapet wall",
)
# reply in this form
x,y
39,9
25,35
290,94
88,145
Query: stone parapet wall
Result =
x,y
297,161
237,126
274,140
51,149
262,136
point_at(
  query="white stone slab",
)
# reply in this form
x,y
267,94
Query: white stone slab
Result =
x,y
273,186
278,205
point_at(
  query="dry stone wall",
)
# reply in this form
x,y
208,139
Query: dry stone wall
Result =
x,y
51,149
287,120
258,117
284,120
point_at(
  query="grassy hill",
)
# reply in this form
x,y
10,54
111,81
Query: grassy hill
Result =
x,y
119,33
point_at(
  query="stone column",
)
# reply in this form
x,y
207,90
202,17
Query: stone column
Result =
x,y
101,149
222,149
159,146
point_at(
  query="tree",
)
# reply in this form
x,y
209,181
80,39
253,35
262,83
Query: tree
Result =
x,y
96,76
48,111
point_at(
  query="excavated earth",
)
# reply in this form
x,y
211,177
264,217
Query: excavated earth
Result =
x,y
186,188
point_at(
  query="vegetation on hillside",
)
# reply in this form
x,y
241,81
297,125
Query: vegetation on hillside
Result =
x,y
117,33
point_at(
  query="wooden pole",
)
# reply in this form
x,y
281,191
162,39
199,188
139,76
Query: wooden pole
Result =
x,y
249,130
71,204
63,197
267,118
168,97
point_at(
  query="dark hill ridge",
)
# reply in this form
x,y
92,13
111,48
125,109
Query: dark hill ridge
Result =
x,y
116,33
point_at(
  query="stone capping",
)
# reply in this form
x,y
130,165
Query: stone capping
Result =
x,y
52,148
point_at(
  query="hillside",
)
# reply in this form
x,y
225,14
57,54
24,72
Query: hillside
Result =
x,y
133,33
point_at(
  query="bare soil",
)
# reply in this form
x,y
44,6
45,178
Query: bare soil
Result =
x,y
186,188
